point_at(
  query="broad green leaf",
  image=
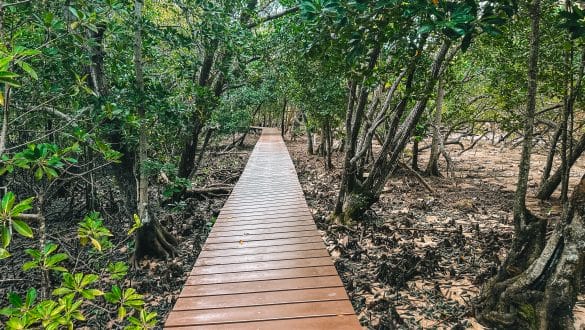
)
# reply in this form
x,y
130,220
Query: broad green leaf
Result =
x,y
7,202
121,313
22,228
28,69
39,174
4,253
22,206
6,236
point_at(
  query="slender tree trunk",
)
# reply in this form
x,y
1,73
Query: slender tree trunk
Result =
x,y
282,128
202,150
548,187
494,305
415,155
433,165
309,135
189,152
551,155
151,238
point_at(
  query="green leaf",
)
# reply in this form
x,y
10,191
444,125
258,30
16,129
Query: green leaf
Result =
x,y
4,253
4,62
39,174
22,228
425,29
7,202
53,260
121,313
6,236
51,173
31,295
8,78
24,205
61,291
29,265
28,69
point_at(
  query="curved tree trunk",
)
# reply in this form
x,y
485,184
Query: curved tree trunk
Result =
x,y
543,295
548,187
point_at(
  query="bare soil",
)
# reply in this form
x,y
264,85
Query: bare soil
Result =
x,y
419,259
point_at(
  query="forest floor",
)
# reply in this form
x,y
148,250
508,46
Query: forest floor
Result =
x,y
420,259
159,281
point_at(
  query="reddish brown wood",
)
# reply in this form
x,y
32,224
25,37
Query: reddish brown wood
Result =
x,y
260,250
260,313
262,275
338,322
263,231
264,264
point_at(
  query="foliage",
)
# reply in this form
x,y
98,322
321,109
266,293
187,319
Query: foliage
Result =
x,y
91,230
67,308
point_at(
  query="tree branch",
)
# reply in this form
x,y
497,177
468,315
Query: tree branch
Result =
x,y
272,17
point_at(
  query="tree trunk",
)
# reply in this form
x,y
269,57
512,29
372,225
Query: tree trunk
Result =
x,y
415,155
310,150
542,296
551,156
327,143
151,239
494,305
433,165
548,187
363,192
189,152
282,128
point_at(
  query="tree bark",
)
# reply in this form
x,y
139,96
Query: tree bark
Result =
x,y
544,294
494,305
433,164
310,150
548,187
151,239
360,197
282,128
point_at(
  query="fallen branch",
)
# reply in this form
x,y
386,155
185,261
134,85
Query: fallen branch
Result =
x,y
417,176
448,142
211,190
438,230
30,217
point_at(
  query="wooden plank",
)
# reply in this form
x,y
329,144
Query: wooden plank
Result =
x,y
261,298
262,275
248,244
262,231
280,264
260,313
240,221
332,281
261,250
263,225
337,322
250,238
262,257
281,211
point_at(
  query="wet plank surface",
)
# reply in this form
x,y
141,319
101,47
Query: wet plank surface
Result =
x,y
264,265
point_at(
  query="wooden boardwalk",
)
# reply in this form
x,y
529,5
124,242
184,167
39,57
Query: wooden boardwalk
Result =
x,y
264,265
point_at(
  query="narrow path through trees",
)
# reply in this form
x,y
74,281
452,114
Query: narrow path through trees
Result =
x,y
264,265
